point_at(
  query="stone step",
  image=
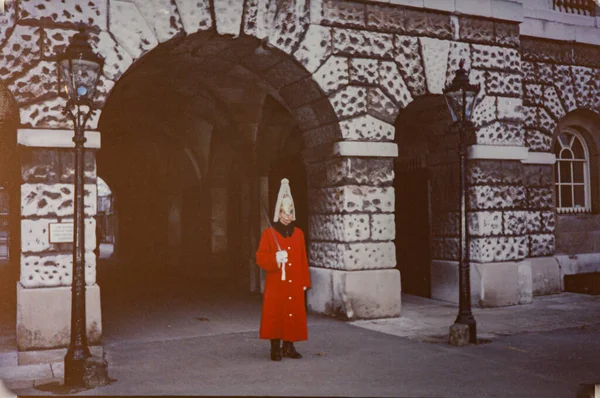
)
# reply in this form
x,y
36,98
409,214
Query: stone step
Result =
x,y
50,356
27,369
27,376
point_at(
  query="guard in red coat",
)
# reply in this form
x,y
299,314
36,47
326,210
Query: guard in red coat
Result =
x,y
282,254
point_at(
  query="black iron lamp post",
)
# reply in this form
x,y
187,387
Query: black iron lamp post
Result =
x,y
79,70
461,98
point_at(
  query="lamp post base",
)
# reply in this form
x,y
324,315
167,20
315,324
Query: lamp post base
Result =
x,y
75,367
90,372
464,330
469,320
459,334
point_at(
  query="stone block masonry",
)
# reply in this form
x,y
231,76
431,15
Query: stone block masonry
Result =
x,y
44,287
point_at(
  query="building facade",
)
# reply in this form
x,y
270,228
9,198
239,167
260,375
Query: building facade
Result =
x,y
204,105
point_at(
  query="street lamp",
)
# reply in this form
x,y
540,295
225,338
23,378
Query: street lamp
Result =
x,y
79,70
461,98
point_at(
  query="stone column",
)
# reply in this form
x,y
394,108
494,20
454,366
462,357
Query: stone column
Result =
x,y
219,243
44,287
351,231
264,196
497,222
219,200
538,171
252,190
509,193
174,228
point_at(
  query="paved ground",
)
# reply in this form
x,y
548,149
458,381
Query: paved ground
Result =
x,y
428,320
343,360
177,339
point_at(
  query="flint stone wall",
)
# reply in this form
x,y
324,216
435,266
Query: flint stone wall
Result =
x,y
368,60
351,222
47,197
510,213
557,79
560,78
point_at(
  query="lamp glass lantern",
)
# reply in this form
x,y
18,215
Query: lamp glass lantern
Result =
x,y
461,96
79,70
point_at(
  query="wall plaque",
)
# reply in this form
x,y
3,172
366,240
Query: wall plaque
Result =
x,y
61,232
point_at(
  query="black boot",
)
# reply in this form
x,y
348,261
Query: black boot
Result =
x,y
290,351
276,350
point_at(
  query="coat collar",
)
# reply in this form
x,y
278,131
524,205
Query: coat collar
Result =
x,y
284,230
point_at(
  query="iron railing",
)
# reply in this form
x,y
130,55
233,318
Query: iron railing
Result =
x,y
579,7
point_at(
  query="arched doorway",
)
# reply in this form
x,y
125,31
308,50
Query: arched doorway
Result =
x,y
423,195
190,140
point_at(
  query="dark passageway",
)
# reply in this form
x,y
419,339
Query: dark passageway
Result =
x,y
424,192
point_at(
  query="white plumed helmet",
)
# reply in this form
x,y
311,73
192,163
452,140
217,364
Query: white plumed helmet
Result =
x,y
285,201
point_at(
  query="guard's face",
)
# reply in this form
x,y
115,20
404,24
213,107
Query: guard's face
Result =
x,y
286,213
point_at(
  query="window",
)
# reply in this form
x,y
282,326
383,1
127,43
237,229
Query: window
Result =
x,y
572,173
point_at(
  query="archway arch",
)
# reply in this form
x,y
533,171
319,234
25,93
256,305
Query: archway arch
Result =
x,y
222,108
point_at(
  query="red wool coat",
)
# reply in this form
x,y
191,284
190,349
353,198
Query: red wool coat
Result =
x,y
283,311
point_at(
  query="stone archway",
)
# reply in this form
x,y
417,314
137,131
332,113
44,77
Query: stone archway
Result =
x,y
123,44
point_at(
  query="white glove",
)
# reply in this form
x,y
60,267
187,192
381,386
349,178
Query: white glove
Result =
x,y
281,257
